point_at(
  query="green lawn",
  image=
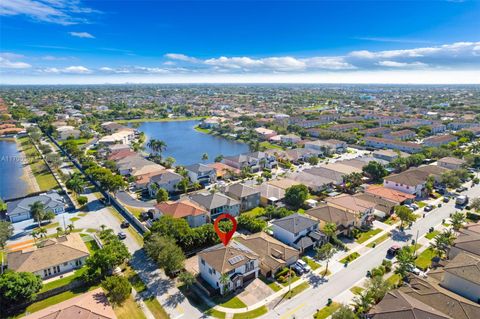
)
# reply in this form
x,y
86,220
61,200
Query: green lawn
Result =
x,y
424,260
49,226
36,306
432,234
314,265
155,308
215,313
356,290
295,291
254,212
391,220
63,281
394,280
78,142
202,130
251,314
270,146
129,310
350,258
294,278
234,302
74,219
327,311
421,204
379,240
270,283
367,235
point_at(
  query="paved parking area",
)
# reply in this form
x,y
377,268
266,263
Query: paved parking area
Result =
x,y
254,292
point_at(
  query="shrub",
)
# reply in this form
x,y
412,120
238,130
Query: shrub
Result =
x,y
82,200
473,216
387,264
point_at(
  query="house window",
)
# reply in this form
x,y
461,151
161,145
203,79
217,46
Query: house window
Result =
x,y
202,261
214,272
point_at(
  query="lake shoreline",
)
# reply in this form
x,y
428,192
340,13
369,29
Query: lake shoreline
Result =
x,y
27,174
176,119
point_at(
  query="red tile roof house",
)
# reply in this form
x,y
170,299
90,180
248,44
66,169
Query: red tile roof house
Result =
x,y
193,213
440,140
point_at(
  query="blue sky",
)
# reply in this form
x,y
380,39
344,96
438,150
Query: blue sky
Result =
x,y
73,41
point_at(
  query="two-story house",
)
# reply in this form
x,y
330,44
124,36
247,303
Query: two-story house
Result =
x,y
227,268
298,231
249,197
217,204
201,173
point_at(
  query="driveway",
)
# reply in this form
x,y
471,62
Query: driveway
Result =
x,y
128,200
255,292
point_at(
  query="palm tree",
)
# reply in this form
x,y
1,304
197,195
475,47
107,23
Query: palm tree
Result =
x,y
103,227
204,157
362,302
153,189
330,230
37,210
157,146
197,185
458,219
75,183
224,281
325,252
59,231
442,242
183,185
43,232
70,228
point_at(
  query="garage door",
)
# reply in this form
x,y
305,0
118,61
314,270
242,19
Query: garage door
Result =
x,y
19,217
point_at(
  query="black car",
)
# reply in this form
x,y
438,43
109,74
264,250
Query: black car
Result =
x,y
122,235
428,208
446,199
392,251
125,224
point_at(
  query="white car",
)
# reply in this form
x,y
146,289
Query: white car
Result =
x,y
304,265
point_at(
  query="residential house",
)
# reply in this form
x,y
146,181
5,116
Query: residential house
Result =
x,y
402,135
298,231
249,197
377,131
90,305
437,128
389,194
467,241
422,299
383,207
193,213
269,194
217,204
296,155
326,146
124,136
290,138
224,171
55,256
345,127
316,183
439,140
210,123
67,132
254,161
265,133
19,210
201,173
136,165
462,276
112,127
234,262
166,179
344,219
273,254
451,163
389,155
377,142
361,208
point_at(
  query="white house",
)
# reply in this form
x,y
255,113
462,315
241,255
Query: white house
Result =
x,y
201,173
298,231
238,263
462,276
20,209
54,257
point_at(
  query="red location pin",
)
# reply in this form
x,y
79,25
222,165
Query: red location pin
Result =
x,y
225,237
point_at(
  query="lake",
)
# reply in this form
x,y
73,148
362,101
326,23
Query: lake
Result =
x,y
11,170
187,145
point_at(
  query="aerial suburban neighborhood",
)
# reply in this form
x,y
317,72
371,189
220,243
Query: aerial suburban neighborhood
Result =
x,y
239,159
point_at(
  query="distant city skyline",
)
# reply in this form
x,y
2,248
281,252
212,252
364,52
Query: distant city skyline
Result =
x,y
94,42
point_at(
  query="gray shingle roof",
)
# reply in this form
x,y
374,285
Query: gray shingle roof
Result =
x,y
295,223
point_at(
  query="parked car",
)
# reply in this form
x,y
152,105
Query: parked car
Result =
x,y
304,265
392,251
297,269
125,224
446,199
428,208
461,189
122,235
415,206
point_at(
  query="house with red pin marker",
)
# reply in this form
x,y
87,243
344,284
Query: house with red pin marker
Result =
x,y
228,267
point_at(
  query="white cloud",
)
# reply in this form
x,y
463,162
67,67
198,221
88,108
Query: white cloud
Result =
x,y
78,69
394,64
181,57
85,35
66,12
8,64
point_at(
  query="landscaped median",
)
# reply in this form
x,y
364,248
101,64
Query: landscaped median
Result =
x,y
349,258
327,311
378,240
364,236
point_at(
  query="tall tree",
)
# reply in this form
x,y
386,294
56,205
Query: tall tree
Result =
x,y
325,252
405,260
204,157
18,287
6,231
405,214
344,312
37,210
162,195
458,219
165,252
118,289
442,242
330,229
296,195
375,171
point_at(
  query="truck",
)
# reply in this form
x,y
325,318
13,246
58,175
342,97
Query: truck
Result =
x,y
461,200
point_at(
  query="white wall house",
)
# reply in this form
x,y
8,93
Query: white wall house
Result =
x,y
235,260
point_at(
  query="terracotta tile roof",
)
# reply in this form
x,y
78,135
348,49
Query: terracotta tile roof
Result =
x,y
389,194
180,209
91,305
